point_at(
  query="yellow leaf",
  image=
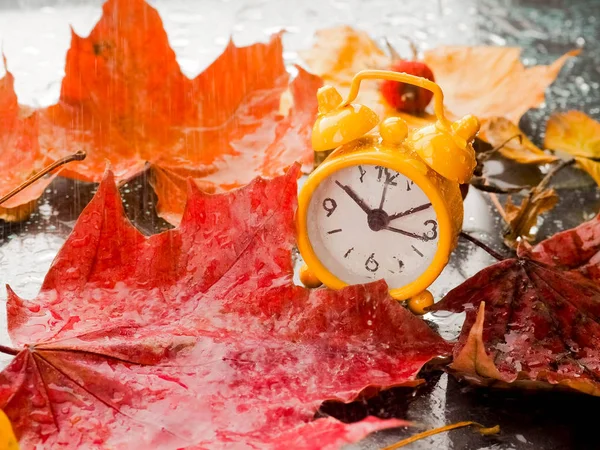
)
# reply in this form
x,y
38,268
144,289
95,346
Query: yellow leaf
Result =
x,y
499,130
8,441
521,219
490,81
574,132
591,167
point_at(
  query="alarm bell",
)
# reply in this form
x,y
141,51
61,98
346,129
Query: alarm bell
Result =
x,y
444,146
337,125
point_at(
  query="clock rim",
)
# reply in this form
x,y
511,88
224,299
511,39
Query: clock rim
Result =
x,y
411,168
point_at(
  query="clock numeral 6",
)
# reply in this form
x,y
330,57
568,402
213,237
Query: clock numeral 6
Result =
x,y
329,205
371,263
432,233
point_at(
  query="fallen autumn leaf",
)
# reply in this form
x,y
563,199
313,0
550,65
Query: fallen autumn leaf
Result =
x,y
533,321
197,337
124,99
500,131
576,133
21,156
508,88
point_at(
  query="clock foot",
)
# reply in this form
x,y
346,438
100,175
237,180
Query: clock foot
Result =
x,y
419,302
308,278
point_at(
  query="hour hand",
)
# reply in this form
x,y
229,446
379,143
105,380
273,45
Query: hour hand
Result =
x,y
359,201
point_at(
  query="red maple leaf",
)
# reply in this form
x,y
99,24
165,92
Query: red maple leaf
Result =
x,y
124,99
197,337
534,320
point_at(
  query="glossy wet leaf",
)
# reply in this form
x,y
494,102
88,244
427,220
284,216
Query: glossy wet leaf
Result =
x,y
197,337
20,156
576,133
515,145
522,218
533,321
573,132
124,99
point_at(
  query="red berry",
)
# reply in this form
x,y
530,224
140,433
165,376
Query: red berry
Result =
x,y
406,97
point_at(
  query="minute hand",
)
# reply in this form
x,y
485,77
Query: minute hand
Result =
x,y
410,211
359,201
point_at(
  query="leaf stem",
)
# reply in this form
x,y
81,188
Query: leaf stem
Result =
x,y
79,156
8,350
483,430
481,245
557,167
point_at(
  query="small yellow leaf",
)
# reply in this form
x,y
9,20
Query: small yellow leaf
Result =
x,y
591,167
8,441
574,132
499,130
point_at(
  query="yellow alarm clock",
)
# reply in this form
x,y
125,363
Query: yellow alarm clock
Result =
x,y
384,205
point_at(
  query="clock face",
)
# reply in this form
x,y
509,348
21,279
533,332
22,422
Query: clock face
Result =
x,y
369,222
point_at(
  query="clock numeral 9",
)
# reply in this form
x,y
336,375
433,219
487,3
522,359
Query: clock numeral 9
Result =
x,y
430,234
371,263
329,205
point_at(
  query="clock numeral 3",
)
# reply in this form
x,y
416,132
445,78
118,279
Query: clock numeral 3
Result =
x,y
389,178
329,205
432,233
371,263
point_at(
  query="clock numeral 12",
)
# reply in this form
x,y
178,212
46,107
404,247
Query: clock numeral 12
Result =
x,y
389,178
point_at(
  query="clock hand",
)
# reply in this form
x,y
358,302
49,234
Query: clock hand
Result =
x,y
360,202
420,237
410,211
385,186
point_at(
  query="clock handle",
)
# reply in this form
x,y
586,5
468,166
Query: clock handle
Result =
x,y
438,95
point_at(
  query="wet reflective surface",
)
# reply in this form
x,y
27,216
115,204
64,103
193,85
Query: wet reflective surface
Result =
x,y
35,35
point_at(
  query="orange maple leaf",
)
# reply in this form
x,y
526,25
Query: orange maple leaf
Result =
x,y
21,156
125,100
